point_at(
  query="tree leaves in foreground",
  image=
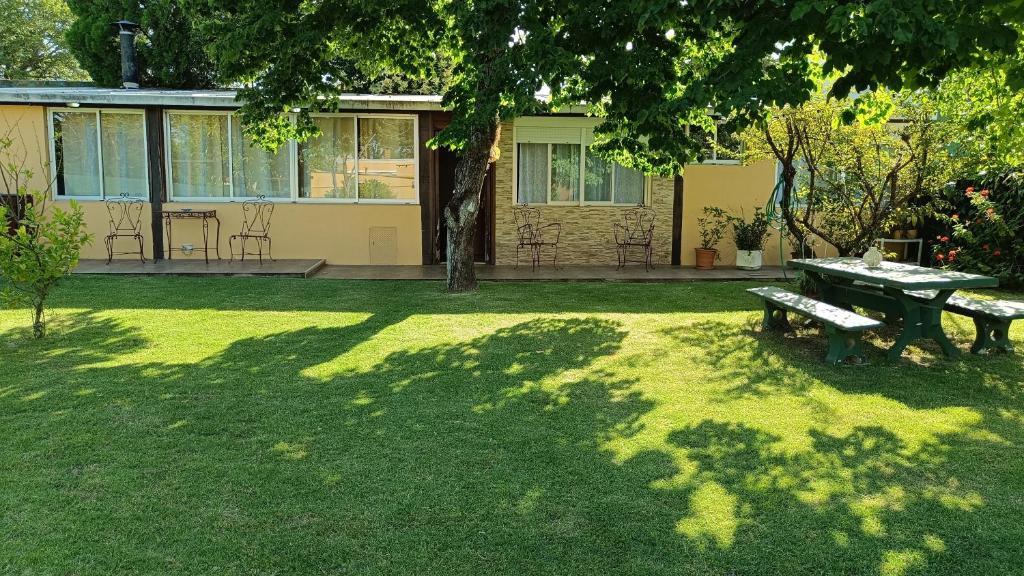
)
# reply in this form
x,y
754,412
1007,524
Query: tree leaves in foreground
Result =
x,y
649,67
32,44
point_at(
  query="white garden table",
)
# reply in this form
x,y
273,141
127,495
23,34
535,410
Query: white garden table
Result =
x,y
887,288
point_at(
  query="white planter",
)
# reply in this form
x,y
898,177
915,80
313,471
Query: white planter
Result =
x,y
748,259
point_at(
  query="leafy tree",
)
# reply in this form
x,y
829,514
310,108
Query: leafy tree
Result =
x,y
170,47
649,67
848,183
32,45
40,245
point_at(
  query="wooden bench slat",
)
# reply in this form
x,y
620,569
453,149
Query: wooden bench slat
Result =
x,y
820,311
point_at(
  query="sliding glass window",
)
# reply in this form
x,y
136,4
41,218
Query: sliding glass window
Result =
x,y
555,166
99,154
209,157
360,158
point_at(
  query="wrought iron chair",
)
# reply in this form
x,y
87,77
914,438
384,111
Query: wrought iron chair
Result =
x,y
256,216
636,231
531,234
125,215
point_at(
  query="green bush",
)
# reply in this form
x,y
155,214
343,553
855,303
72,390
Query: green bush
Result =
x,y
984,228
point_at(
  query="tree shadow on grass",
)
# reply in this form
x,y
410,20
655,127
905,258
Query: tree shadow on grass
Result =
x,y
487,455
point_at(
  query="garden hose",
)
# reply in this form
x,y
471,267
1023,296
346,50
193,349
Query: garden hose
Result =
x,y
778,222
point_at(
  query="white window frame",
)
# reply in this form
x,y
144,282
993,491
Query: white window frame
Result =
x,y
584,126
97,112
229,115
357,200
714,159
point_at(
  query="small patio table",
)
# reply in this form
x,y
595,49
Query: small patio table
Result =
x,y
188,214
894,289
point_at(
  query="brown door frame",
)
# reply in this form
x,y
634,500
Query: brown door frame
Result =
x,y
430,124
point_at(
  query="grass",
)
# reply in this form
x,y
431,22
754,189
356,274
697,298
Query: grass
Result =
x,y
270,426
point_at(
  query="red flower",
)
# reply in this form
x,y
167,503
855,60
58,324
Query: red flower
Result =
x,y
984,247
970,190
952,255
940,256
944,239
985,193
997,253
955,216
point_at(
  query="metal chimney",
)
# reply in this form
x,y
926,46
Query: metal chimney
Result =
x,y
129,62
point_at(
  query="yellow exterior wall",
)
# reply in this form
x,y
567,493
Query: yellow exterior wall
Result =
x,y
338,232
734,188
26,127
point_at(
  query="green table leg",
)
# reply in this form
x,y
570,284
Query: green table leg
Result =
x,y
921,320
991,335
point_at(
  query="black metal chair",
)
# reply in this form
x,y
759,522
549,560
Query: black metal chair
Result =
x,y
125,215
531,234
637,231
256,216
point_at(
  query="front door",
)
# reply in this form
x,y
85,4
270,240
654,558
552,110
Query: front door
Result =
x,y
446,161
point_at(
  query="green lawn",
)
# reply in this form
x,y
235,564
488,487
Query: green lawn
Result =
x,y
266,426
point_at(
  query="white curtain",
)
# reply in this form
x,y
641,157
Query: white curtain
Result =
x,y
77,159
597,185
629,186
328,162
255,171
533,174
124,155
565,172
199,156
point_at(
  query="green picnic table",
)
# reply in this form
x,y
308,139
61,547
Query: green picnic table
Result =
x,y
895,290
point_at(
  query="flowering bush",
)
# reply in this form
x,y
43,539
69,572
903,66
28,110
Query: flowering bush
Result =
x,y
984,229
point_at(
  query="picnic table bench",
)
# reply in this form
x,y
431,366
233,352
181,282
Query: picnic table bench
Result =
x,y
842,326
992,319
890,288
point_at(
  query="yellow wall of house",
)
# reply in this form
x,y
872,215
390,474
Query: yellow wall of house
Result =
x,y
734,188
26,128
339,233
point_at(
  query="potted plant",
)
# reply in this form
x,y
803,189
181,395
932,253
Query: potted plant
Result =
x,y
711,228
750,238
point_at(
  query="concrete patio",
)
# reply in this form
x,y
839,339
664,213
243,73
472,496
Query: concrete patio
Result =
x,y
197,267
631,273
318,269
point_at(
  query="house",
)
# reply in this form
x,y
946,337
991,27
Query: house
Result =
x,y
367,191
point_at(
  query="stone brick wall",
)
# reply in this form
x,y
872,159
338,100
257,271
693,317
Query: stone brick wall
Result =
x,y
587,235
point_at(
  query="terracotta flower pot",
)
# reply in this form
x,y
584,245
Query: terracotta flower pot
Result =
x,y
706,258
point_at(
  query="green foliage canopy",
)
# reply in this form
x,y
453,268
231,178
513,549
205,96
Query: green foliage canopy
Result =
x,y
649,67
171,48
32,44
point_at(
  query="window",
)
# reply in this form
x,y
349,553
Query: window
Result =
x,y
722,143
554,166
607,181
210,158
360,158
99,154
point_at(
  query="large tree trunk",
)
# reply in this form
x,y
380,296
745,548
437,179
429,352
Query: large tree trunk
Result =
x,y
461,212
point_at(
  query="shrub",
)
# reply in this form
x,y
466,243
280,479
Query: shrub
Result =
x,y
750,235
984,229
711,227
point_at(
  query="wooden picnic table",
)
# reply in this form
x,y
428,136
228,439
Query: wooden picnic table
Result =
x,y
894,289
